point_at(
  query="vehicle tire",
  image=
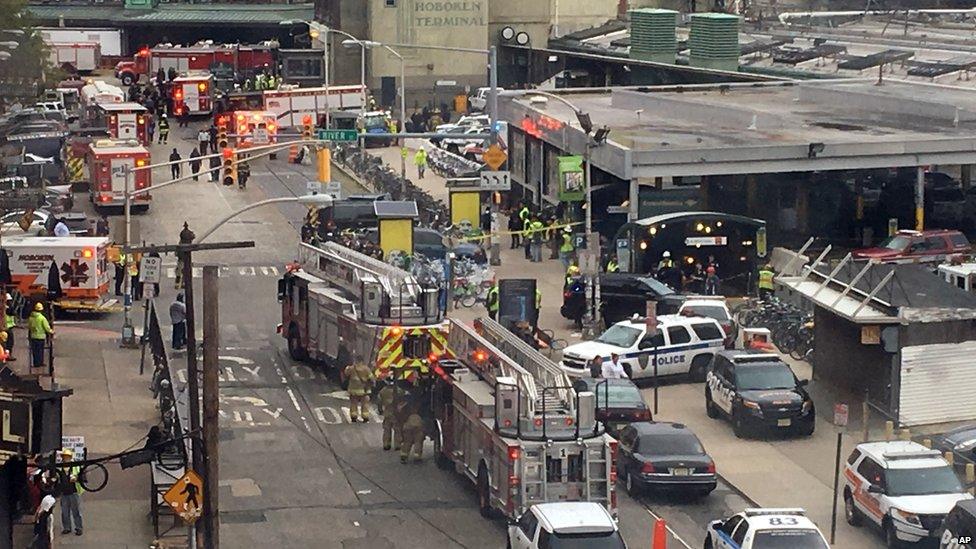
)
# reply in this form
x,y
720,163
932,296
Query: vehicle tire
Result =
x,y
295,350
440,459
891,539
808,431
468,301
484,493
699,368
633,488
851,514
738,427
710,408
708,542
127,79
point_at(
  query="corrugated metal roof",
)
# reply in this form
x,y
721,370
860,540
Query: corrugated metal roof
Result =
x,y
232,14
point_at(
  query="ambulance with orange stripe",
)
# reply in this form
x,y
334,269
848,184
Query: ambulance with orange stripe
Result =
x,y
901,487
75,267
338,304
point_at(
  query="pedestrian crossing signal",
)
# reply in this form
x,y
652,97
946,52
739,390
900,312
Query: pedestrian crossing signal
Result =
x,y
229,167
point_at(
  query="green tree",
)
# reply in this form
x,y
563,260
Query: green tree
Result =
x,y
27,68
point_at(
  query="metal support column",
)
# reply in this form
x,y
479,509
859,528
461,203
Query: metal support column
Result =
x,y
920,198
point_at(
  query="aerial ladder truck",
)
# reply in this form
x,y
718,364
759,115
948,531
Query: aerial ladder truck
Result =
x,y
507,419
337,303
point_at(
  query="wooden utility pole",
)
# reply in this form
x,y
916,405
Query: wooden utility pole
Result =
x,y
211,429
207,469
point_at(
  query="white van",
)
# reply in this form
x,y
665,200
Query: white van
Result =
x,y
682,345
479,99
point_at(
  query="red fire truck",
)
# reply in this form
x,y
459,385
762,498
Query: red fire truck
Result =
x,y
124,121
107,162
245,59
193,93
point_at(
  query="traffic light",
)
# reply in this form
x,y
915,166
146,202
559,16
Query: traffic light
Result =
x,y
222,142
230,167
325,165
307,127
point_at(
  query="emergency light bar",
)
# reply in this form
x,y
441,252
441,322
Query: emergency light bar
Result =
x,y
774,511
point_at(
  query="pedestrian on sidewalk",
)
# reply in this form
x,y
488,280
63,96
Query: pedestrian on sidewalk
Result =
x,y
566,248
491,301
212,135
43,525
119,273
596,366
177,316
515,228
203,140
420,159
195,163
70,491
38,330
174,169
214,169
9,324
134,282
613,369
184,115
150,126
163,128
553,237
360,384
537,231
711,281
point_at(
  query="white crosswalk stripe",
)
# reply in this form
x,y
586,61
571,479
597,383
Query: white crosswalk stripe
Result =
x,y
224,271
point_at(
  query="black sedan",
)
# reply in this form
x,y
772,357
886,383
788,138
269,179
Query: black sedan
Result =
x,y
961,441
618,402
666,457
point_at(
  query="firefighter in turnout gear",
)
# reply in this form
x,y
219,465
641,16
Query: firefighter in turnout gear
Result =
x,y
412,426
360,383
387,402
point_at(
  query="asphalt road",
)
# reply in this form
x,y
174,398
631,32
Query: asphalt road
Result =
x,y
294,471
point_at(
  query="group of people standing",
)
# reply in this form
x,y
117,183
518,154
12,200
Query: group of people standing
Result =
x,y
400,402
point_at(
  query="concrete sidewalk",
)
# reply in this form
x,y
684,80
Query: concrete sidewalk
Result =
x,y
113,409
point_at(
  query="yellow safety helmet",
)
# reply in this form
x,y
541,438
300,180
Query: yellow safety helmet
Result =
x,y
38,306
573,269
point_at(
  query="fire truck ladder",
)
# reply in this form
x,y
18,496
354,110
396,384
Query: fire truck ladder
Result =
x,y
409,303
489,362
558,393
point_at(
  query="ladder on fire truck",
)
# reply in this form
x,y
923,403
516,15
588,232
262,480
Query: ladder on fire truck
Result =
x,y
497,356
544,384
383,294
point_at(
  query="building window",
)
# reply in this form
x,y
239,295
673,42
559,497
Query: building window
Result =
x,y
391,3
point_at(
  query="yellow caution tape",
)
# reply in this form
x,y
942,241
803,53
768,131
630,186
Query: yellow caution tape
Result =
x,y
522,232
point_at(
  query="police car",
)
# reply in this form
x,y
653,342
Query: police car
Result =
x,y
682,345
758,392
902,487
765,528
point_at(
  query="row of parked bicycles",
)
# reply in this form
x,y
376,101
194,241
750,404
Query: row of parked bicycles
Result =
x,y
790,327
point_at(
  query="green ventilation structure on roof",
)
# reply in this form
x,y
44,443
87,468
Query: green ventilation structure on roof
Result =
x,y
714,41
652,35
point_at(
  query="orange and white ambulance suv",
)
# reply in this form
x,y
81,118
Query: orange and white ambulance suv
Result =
x,y
78,265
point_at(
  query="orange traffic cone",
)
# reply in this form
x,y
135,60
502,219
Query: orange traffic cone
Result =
x,y
660,540
292,154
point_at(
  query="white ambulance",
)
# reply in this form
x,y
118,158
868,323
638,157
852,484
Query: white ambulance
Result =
x,y
193,94
77,265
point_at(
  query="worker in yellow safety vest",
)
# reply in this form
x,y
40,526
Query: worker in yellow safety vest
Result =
x,y
566,248
491,301
612,266
766,275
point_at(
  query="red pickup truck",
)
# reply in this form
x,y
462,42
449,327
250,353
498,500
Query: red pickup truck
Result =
x,y
917,247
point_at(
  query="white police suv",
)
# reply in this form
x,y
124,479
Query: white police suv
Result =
x,y
682,345
902,487
765,529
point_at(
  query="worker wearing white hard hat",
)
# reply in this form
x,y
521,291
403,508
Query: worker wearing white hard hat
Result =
x,y
665,261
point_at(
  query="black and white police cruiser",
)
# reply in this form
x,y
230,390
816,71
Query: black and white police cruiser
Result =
x,y
762,528
683,345
757,392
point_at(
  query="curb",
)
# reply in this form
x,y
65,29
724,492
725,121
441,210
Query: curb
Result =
x,y
738,491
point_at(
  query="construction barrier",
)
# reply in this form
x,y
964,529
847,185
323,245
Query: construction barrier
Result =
x,y
660,540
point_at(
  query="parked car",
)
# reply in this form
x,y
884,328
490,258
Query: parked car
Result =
x,y
917,247
664,456
959,527
446,128
457,144
961,441
715,309
618,402
42,223
758,392
567,524
765,529
479,99
901,487
682,346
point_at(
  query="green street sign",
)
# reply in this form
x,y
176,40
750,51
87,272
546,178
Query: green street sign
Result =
x,y
338,135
